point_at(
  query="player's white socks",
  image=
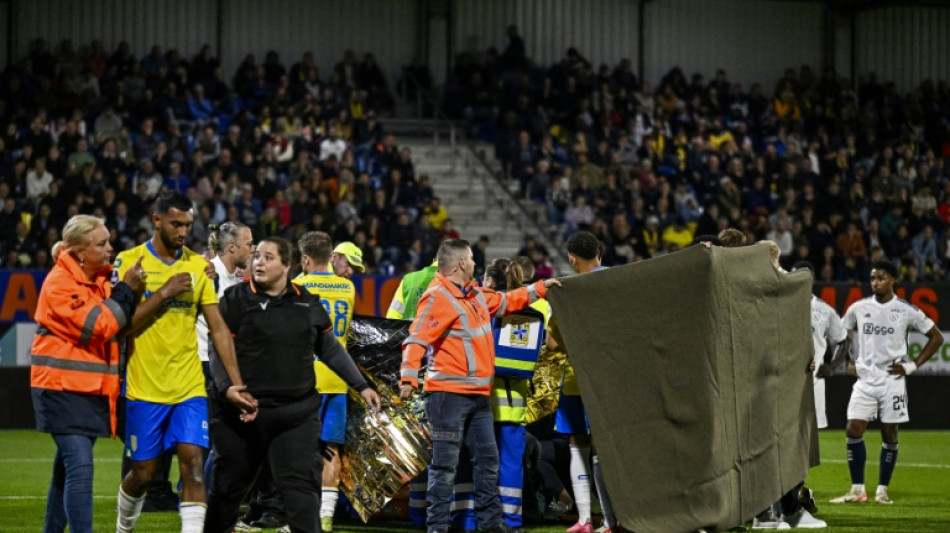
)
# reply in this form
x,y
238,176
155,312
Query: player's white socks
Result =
x,y
580,481
129,510
328,499
192,516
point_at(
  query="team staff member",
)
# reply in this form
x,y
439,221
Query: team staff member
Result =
x,y
453,327
879,326
338,296
167,403
278,329
231,245
74,375
410,289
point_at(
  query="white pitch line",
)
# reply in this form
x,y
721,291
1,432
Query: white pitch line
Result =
x,y
12,498
900,463
50,460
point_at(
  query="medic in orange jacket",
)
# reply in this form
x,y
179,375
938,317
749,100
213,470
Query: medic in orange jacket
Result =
x,y
453,327
75,350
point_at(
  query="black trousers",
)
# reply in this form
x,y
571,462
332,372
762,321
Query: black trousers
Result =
x,y
288,439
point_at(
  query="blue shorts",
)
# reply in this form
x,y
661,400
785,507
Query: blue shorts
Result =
x,y
152,428
571,417
333,418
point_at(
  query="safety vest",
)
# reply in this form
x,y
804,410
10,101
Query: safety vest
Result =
x,y
75,349
518,341
409,291
509,399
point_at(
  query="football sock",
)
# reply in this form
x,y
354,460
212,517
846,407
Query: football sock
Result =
x,y
328,499
602,495
888,460
129,510
192,516
857,456
580,481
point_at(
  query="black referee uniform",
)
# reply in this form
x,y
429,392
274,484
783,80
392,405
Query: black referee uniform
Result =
x,y
275,338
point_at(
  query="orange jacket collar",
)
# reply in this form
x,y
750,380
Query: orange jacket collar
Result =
x,y
458,292
69,263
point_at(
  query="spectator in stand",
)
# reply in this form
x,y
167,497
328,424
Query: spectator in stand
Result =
x,y
38,181
436,213
175,180
925,252
677,235
107,125
447,231
851,245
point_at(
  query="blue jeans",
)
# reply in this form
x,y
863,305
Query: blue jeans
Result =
x,y
458,419
69,499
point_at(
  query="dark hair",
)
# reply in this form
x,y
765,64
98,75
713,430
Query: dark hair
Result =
x,y
527,266
886,266
584,245
505,274
284,249
172,199
732,238
316,245
449,250
803,265
712,239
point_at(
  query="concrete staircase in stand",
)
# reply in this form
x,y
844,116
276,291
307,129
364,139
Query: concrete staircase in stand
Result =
x,y
476,201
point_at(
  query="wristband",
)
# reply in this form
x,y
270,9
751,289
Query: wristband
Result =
x,y
909,367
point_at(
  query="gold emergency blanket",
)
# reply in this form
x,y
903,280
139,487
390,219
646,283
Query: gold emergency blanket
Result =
x,y
546,384
693,369
383,450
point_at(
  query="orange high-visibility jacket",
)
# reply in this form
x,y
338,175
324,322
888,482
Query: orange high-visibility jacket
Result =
x,y
75,349
453,327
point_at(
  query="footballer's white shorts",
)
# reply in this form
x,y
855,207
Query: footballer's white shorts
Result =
x,y
820,411
887,402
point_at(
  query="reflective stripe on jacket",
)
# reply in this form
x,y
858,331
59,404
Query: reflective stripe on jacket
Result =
x,y
410,289
75,349
509,398
453,327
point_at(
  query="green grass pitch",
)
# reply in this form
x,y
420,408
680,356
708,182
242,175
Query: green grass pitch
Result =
x,y
920,488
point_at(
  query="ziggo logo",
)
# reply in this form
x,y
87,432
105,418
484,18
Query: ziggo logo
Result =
x,y
872,329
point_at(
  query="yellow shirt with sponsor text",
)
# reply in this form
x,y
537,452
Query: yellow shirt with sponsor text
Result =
x,y
338,296
163,365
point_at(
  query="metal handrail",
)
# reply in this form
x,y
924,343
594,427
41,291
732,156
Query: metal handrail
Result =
x,y
523,215
507,197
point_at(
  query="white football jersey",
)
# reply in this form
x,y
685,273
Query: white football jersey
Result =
x,y
881,334
225,280
825,326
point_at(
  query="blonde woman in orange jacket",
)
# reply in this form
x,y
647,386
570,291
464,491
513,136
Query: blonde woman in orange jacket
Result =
x,y
74,372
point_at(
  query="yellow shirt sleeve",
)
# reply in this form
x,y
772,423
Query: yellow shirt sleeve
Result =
x,y
204,286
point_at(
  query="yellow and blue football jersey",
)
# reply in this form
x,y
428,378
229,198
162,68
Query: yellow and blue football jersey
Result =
x,y
338,296
163,365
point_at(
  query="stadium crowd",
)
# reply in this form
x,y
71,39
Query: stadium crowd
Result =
x,y
838,177
833,176
284,151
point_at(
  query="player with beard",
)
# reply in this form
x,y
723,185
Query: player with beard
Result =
x,y
167,403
